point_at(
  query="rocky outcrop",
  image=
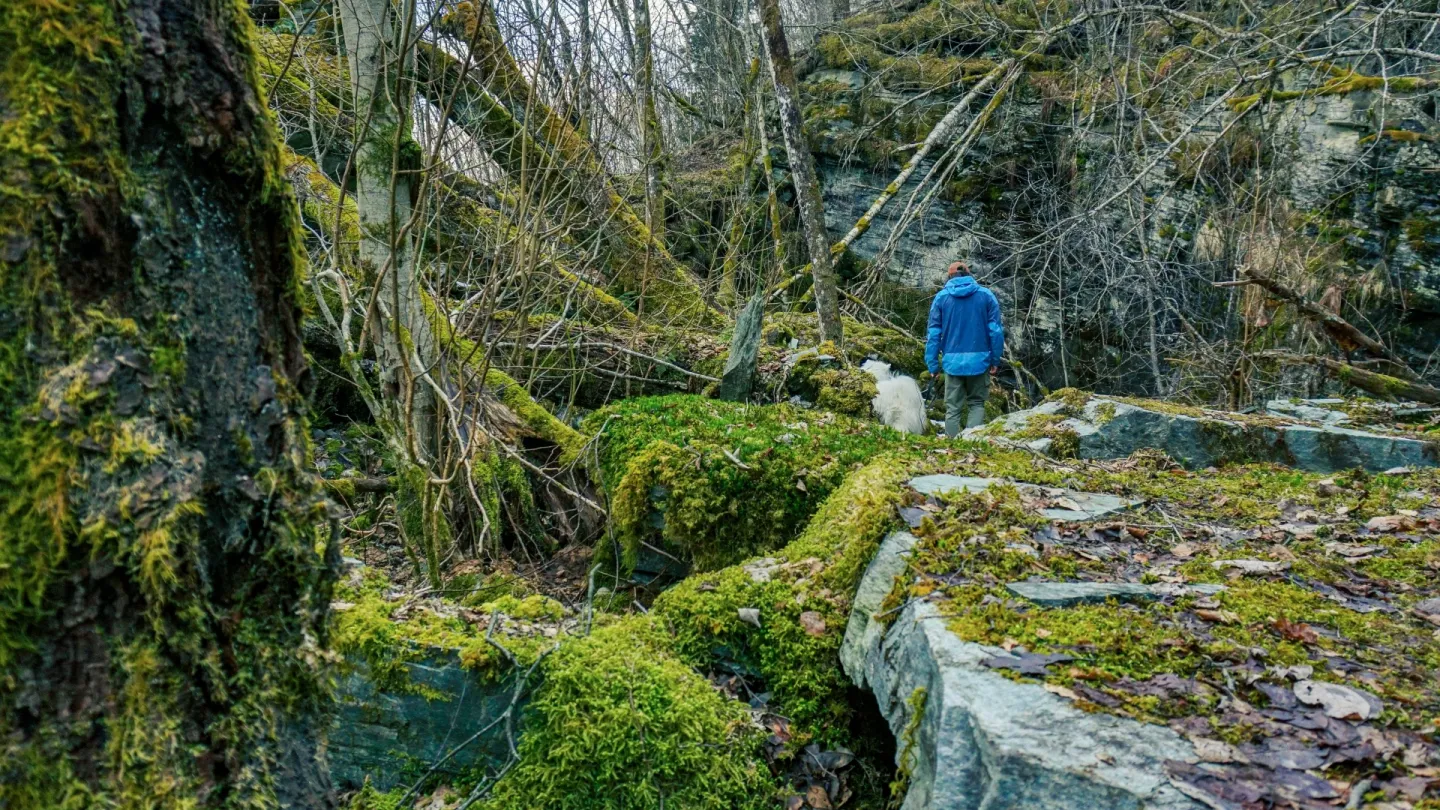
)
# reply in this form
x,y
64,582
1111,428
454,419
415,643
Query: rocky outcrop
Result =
x,y
1353,163
391,736
970,739
1104,427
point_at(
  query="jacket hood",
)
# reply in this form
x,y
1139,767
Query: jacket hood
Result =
x,y
961,286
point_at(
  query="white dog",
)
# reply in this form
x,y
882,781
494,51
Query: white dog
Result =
x,y
899,403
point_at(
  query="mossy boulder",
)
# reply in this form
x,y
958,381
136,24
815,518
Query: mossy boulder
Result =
x,y
710,483
621,724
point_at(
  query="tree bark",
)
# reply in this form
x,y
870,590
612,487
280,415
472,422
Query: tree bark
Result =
x,y
802,169
652,142
378,43
162,600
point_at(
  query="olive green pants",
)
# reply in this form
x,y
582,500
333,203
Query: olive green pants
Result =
x,y
965,396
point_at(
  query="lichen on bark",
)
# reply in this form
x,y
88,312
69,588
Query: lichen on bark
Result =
x,y
163,579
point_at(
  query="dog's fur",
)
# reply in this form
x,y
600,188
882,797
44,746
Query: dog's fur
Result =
x,y
899,403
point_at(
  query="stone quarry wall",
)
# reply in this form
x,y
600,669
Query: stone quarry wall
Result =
x,y
1358,168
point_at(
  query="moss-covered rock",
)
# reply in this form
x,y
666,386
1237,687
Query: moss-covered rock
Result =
x,y
713,483
621,724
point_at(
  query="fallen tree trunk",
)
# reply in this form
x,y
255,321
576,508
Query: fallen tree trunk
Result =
x,y
1381,385
489,98
1344,333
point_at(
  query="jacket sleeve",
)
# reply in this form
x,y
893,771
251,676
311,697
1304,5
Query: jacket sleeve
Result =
x,y
995,330
932,338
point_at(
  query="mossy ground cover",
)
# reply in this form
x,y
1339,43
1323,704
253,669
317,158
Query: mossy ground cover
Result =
x,y
387,629
1336,593
729,480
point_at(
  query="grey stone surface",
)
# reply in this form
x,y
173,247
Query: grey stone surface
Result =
x,y
1311,410
1066,504
862,633
1064,594
1109,428
1329,147
384,735
984,742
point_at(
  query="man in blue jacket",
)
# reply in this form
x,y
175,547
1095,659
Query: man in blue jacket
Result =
x,y
966,340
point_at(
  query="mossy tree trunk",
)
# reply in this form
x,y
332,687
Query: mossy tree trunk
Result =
x,y
379,36
802,170
163,590
652,143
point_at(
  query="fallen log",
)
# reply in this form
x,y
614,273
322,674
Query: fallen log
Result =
x,y
1381,385
1344,333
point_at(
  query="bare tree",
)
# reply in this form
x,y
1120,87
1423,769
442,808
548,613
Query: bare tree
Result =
x,y
802,168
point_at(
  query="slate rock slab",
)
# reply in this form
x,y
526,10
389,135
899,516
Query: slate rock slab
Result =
x,y
971,739
1067,504
1108,428
1065,594
380,734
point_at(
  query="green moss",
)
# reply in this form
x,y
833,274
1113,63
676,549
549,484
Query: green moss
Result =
x,y
724,480
1064,441
1422,233
845,390
1073,400
901,785
815,573
620,724
1343,82
534,607
368,631
1104,412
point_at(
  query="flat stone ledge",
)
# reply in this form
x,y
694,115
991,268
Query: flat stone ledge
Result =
x,y
1065,594
1107,428
971,739
1068,504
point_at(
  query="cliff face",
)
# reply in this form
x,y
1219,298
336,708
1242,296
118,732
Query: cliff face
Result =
x,y
1103,223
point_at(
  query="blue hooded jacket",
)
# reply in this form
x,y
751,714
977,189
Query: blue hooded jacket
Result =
x,y
965,329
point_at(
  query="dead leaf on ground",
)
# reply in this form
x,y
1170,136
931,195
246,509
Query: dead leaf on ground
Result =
x,y
1391,523
750,615
1183,550
1338,701
1352,551
1024,662
812,623
817,798
1296,631
1251,566
1056,689
1219,616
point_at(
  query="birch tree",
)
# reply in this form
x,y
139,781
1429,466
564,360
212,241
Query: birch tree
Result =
x,y
802,169
379,36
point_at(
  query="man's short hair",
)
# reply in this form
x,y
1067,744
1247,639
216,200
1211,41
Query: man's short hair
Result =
x,y
956,269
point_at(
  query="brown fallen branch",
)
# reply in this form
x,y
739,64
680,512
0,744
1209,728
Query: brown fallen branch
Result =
x,y
1344,333
1381,385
